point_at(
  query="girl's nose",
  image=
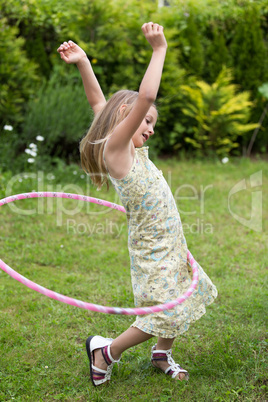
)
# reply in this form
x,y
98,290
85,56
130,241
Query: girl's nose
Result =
x,y
151,130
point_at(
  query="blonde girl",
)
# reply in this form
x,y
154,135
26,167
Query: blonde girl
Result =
x,y
114,144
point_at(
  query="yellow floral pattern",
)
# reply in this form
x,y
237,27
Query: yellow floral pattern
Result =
x,y
158,251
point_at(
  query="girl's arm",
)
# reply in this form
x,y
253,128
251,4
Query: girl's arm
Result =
x,y
120,144
71,53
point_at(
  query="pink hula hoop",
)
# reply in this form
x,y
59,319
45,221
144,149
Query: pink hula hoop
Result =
x,y
79,303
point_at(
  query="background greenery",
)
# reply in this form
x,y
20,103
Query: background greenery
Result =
x,y
42,341
41,95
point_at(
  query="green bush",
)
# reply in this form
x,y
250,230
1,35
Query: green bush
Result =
x,y
9,145
192,51
17,75
40,23
219,114
217,53
248,50
60,113
202,36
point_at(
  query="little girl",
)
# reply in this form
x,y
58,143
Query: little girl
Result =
x,y
160,273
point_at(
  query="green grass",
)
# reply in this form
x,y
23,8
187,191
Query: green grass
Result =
x,y
43,357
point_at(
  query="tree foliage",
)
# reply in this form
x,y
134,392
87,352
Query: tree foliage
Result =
x,y
17,75
203,36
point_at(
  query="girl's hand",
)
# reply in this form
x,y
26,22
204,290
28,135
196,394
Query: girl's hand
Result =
x,y
71,53
154,34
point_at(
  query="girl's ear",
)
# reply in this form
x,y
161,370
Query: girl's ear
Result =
x,y
123,108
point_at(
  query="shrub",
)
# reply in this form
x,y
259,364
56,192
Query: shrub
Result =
x,y
218,113
217,54
60,113
248,50
17,75
202,36
192,50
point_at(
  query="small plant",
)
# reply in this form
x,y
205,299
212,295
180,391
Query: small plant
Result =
x,y
219,114
60,113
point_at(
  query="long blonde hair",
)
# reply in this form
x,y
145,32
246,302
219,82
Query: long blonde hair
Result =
x,y
92,145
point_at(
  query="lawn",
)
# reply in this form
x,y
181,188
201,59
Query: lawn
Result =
x,y
80,250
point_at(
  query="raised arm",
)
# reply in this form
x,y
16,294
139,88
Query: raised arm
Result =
x,y
120,141
71,53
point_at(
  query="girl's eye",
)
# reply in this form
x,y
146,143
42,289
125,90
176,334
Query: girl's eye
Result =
x,y
147,121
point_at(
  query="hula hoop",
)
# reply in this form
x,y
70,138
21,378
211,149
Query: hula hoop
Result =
x,y
79,303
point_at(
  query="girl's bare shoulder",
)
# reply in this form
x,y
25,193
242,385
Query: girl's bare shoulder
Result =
x,y
119,161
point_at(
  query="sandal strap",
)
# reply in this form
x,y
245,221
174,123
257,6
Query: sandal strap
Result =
x,y
97,369
159,356
163,355
166,355
100,376
107,355
173,371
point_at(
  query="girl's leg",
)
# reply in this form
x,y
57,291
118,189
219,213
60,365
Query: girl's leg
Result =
x,y
131,337
165,344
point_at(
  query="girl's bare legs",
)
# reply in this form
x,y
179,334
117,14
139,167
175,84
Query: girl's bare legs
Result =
x,y
131,337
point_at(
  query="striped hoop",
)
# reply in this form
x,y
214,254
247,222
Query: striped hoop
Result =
x,y
79,303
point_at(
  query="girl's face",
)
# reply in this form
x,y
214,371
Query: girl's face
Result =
x,y
146,128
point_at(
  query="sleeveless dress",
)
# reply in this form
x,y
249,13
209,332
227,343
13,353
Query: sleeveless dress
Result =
x,y
158,251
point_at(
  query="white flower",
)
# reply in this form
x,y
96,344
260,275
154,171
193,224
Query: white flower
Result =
x,y
50,176
46,366
33,146
20,180
225,160
82,176
40,138
8,128
74,172
62,245
31,152
31,160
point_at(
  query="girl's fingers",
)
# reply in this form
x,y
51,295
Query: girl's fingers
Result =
x,y
150,27
64,49
144,28
147,27
66,46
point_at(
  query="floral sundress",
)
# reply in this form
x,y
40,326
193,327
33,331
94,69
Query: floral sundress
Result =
x,y
158,251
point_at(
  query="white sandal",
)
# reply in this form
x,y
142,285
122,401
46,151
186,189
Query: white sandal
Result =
x,y
166,355
99,376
